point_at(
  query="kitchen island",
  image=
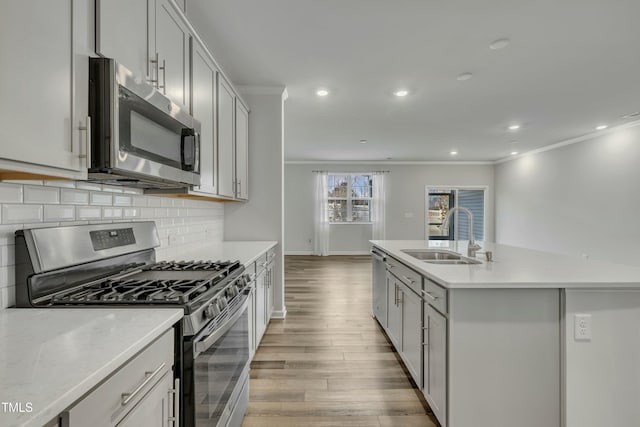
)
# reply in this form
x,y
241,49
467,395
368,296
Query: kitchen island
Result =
x,y
528,339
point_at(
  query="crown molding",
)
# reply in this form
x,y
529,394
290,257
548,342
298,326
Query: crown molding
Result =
x,y
385,162
571,141
262,90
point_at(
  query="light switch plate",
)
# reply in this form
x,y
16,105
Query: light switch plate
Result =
x,y
582,327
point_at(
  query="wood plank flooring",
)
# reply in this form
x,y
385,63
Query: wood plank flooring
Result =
x,y
329,363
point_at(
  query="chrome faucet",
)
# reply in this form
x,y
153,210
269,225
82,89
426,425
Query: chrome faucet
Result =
x,y
473,246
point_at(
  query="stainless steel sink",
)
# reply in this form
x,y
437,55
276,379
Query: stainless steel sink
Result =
x,y
437,256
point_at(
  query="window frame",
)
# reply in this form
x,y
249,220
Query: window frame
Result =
x,y
349,199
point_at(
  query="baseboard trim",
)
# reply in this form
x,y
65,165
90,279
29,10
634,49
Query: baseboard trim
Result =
x,y
330,253
279,314
298,253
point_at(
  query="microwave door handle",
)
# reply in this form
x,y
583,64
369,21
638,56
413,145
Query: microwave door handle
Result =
x,y
204,344
196,155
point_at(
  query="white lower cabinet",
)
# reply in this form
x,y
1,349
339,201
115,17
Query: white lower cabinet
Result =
x,y
394,311
141,393
412,333
154,409
435,363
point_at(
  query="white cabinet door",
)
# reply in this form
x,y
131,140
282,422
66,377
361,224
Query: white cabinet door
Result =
x,y
394,312
226,139
154,409
252,323
435,363
123,33
41,110
261,305
172,45
270,291
242,151
412,332
203,102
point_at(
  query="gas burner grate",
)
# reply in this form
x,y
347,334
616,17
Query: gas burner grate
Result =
x,y
193,265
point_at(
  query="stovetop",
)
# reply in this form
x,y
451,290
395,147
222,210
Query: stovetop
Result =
x,y
181,283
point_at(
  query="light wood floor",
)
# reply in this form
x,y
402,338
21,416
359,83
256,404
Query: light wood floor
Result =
x,y
329,363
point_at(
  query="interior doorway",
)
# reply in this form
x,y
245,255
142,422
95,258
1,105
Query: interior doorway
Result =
x,y
440,200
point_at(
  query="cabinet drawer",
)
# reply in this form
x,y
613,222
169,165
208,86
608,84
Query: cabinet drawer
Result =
x,y
106,404
435,295
261,263
406,275
271,254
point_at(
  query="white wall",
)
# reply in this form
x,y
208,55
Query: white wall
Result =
x,y
578,199
31,204
405,203
261,217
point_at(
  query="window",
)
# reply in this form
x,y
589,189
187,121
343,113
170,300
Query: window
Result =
x,y
349,197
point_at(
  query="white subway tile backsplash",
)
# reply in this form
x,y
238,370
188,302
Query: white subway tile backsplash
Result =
x,y
19,214
10,193
153,201
59,213
111,213
112,188
101,199
36,204
74,197
119,200
140,201
131,213
88,213
61,184
41,194
88,186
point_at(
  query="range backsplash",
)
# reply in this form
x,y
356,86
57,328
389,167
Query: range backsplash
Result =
x,y
30,204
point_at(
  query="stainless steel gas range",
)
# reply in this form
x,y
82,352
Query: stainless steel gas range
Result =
x,y
92,266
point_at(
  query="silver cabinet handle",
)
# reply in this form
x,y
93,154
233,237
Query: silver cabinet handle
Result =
x,y
408,279
164,76
87,139
175,391
127,397
427,294
155,62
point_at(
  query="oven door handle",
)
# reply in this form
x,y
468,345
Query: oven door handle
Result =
x,y
203,345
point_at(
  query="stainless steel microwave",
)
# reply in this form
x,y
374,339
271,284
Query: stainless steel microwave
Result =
x,y
139,138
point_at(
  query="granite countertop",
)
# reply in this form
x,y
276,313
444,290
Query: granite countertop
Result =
x,y
52,357
244,251
514,267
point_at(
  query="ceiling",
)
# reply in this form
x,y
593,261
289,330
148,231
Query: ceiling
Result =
x,y
571,65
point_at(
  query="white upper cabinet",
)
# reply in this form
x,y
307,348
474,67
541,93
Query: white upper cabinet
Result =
x,y
226,139
204,110
172,47
151,39
242,151
44,87
126,36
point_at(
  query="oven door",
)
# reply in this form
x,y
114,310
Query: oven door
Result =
x,y
220,369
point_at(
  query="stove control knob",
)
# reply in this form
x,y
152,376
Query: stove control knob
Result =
x,y
210,311
222,303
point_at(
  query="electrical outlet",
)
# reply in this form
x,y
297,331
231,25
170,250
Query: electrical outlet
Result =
x,y
582,327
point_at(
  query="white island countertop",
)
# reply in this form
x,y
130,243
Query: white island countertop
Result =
x,y
52,357
244,251
513,267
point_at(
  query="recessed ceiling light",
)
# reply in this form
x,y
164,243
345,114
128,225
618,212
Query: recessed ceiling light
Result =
x,y
601,127
514,127
322,92
513,153
401,92
515,142
632,115
499,44
464,76
363,141
453,153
